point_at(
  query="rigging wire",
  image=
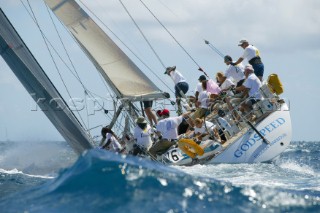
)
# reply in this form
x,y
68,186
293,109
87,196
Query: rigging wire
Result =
x,y
55,64
183,95
85,100
76,75
62,60
64,47
72,65
122,42
214,48
135,23
199,67
89,93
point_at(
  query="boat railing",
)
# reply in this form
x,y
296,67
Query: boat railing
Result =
x,y
237,119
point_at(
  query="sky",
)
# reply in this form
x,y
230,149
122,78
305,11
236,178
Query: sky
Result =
x,y
287,33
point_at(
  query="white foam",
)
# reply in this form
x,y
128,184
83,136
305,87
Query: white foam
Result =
x,y
16,171
303,169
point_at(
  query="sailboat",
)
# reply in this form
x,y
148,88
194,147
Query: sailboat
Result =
x,y
250,142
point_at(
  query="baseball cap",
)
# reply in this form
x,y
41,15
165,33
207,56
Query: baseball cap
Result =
x,y
248,67
168,69
227,58
242,41
202,78
163,112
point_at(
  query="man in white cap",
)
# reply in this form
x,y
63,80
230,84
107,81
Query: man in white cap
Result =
x,y
250,88
252,54
181,86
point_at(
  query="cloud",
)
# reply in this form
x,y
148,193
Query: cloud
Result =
x,y
286,32
274,25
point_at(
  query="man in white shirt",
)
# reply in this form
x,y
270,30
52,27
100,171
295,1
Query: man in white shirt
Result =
x,y
236,73
203,129
109,140
252,54
181,86
203,102
142,136
225,83
199,89
168,128
250,88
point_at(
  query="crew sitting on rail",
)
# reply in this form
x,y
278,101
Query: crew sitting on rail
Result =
x,y
204,130
203,102
109,140
250,88
225,83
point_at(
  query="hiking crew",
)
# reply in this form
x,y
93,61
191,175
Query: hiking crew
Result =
x,y
181,86
109,140
142,136
167,129
235,73
252,54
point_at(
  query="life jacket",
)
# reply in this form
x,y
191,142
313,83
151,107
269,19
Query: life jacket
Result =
x,y
275,84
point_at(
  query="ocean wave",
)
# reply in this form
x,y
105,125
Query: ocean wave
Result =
x,y
101,181
16,171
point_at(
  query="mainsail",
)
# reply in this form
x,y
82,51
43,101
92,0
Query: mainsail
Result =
x,y
29,72
122,75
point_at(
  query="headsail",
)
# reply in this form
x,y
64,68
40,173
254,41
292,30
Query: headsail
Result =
x,y
125,78
29,72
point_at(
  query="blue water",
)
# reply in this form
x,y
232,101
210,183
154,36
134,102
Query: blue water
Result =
x,y
49,177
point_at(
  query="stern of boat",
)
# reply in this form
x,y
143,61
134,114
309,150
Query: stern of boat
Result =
x,y
251,148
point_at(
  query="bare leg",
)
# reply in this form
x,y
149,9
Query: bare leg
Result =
x,y
151,116
178,101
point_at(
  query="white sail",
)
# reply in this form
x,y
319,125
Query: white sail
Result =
x,y
125,78
29,72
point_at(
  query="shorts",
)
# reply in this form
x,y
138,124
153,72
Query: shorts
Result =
x,y
240,82
147,104
139,150
160,147
181,86
199,113
258,69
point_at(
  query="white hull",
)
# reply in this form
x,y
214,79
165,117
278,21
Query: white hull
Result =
x,y
249,147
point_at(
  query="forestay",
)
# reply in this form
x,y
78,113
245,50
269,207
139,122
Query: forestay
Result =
x,y
122,75
29,72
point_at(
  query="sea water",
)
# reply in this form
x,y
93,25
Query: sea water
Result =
x,y
49,177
